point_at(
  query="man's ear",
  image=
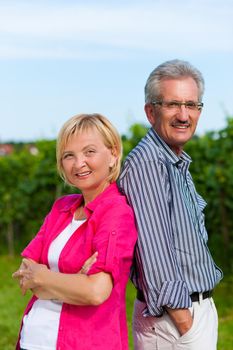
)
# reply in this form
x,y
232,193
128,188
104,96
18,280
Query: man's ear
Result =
x,y
150,113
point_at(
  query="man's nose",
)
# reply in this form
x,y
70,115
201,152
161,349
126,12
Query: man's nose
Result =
x,y
183,113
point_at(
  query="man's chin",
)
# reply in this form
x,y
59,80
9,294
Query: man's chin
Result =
x,y
182,137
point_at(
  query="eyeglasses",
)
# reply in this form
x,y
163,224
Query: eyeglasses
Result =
x,y
176,105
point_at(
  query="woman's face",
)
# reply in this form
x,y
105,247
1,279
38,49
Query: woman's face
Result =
x,y
86,162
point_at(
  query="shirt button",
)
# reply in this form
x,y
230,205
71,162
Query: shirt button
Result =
x,y
113,233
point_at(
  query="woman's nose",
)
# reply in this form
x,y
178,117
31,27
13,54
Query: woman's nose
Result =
x,y
79,162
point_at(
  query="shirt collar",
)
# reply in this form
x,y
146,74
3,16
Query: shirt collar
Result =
x,y
73,202
172,157
72,205
110,191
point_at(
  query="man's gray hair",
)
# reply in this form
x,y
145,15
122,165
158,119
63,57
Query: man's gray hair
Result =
x,y
174,69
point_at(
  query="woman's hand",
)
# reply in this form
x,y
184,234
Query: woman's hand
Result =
x,y
30,275
88,264
18,275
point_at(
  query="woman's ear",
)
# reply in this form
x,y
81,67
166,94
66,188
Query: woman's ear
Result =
x,y
113,157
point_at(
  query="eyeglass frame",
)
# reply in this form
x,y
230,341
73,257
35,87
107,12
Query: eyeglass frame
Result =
x,y
191,105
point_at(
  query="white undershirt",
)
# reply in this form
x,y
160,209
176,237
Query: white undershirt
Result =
x,y
40,325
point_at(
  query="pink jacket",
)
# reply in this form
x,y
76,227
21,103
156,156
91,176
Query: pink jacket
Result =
x,y
110,230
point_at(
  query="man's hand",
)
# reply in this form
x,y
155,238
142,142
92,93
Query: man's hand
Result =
x,y
182,319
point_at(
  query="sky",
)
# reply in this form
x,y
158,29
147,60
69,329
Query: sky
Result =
x,y
61,58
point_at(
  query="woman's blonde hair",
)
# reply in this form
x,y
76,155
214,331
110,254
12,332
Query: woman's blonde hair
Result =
x,y
83,122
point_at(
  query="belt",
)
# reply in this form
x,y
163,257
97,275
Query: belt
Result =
x,y
201,296
140,295
194,296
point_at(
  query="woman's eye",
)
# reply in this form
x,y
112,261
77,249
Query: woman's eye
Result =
x,y
67,156
90,152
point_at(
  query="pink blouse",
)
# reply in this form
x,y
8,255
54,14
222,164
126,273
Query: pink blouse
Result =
x,y
110,230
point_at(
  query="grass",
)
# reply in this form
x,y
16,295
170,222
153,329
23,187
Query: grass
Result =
x,y
12,305
223,297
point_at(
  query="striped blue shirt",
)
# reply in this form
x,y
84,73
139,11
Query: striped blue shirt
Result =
x,y
172,259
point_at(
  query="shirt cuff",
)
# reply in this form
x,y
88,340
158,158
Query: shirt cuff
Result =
x,y
113,270
173,294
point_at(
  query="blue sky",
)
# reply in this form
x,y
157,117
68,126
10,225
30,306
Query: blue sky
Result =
x,y
61,58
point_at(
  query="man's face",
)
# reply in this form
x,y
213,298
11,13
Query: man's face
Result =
x,y
175,124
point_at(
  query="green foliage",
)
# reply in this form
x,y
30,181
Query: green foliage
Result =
x,y
136,132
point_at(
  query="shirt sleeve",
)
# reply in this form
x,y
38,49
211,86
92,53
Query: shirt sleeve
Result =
x,y
114,239
157,271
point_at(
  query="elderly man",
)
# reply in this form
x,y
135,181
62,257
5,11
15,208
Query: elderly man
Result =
x,y
174,272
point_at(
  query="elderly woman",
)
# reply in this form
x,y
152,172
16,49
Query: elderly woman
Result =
x,y
71,310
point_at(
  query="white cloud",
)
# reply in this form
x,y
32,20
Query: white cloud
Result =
x,y
70,30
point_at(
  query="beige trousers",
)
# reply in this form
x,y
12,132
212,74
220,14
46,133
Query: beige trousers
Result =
x,y
160,333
